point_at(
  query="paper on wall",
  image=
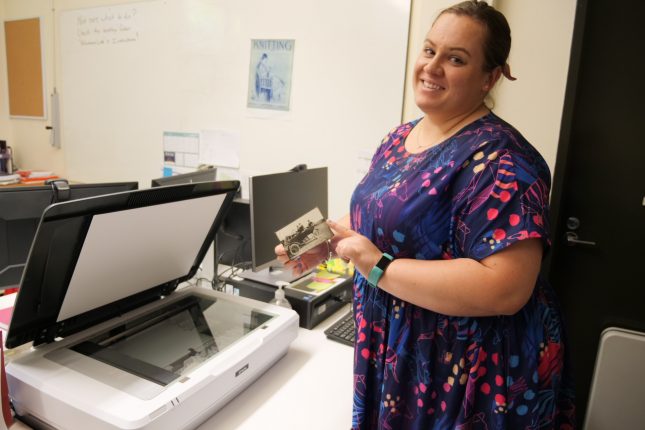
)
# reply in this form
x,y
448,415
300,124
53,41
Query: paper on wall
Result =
x,y
180,152
220,148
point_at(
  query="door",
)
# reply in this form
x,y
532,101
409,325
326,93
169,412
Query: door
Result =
x,y
597,265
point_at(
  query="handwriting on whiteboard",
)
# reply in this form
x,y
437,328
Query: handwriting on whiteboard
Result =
x,y
107,26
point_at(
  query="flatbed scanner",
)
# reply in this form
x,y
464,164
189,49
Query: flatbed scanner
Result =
x,y
118,342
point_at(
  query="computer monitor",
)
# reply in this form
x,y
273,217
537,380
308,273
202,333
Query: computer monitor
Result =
x,y
277,200
203,175
20,212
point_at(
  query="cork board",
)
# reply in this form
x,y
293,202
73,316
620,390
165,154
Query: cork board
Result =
x,y
25,68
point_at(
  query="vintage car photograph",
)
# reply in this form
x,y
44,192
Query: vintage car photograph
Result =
x,y
304,233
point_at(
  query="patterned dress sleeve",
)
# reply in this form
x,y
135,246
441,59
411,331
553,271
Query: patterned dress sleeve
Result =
x,y
501,196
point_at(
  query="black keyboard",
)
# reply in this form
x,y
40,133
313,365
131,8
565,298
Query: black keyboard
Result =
x,y
343,329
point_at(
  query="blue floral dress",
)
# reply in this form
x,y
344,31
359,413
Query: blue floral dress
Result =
x,y
470,196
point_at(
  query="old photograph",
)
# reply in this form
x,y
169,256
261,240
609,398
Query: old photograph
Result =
x,y
304,233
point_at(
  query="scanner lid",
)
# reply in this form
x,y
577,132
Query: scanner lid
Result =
x,y
96,258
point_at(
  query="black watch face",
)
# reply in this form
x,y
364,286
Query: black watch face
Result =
x,y
383,262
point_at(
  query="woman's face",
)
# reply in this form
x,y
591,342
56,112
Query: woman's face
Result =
x,y
449,77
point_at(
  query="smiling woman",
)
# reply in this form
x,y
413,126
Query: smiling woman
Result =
x,y
459,330
449,77
454,334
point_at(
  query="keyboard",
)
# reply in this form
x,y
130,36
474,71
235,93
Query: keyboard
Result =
x,y
342,330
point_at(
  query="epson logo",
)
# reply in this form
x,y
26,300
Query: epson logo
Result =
x,y
241,370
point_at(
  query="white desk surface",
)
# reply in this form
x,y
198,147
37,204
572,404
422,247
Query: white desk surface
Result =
x,y
310,387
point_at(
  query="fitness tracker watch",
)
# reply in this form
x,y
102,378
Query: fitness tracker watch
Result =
x,y
377,271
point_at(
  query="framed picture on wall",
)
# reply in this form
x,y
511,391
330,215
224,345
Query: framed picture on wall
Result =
x,y
270,76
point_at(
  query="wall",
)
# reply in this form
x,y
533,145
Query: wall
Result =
x,y
533,103
29,138
5,126
188,71
542,33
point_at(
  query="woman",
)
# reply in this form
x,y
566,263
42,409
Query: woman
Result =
x,y
455,328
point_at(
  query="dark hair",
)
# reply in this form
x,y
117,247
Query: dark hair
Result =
x,y
497,44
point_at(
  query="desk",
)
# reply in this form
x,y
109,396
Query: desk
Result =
x,y
310,387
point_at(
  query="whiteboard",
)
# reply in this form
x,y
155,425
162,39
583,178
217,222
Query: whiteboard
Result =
x,y
129,72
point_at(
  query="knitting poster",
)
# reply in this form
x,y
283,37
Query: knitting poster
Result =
x,y
270,74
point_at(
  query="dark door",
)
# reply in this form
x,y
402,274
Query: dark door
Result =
x,y
599,183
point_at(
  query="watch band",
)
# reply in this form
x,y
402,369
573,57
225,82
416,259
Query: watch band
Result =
x,y
377,271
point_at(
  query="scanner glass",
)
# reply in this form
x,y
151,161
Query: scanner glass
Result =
x,y
162,345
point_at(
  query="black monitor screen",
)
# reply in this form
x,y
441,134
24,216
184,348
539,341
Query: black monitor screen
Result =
x,y
186,178
20,212
277,200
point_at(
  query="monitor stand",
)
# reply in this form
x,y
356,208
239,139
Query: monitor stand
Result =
x,y
274,275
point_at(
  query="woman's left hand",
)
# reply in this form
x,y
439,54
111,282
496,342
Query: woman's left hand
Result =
x,y
306,261
355,247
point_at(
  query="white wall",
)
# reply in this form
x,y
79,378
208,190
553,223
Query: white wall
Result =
x,y
28,137
541,34
5,125
344,95
539,58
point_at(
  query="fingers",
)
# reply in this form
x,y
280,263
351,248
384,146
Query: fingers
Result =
x,y
342,235
281,254
339,229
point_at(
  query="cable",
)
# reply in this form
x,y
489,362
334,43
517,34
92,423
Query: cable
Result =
x,y
219,280
234,270
223,230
